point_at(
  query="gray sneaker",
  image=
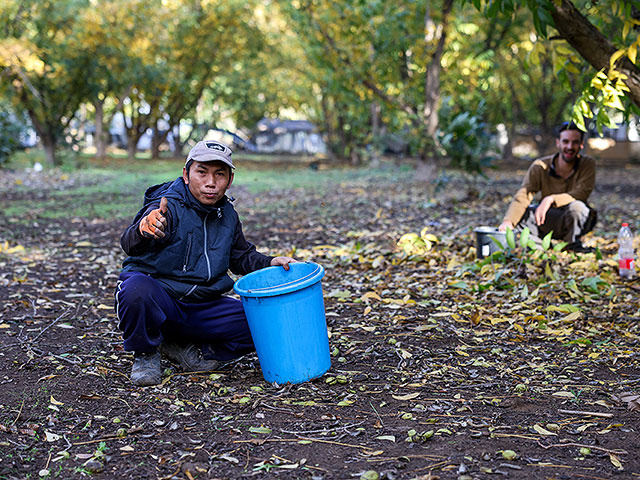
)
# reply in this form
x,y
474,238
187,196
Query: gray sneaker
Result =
x,y
188,357
146,370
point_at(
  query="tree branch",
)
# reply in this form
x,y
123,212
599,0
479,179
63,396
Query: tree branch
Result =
x,y
592,45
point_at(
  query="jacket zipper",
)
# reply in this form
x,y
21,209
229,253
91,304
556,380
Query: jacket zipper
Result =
x,y
204,247
186,255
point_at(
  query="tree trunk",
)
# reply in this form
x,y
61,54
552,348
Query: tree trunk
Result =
x,y
592,45
156,140
49,144
177,142
432,93
132,146
47,137
101,136
328,128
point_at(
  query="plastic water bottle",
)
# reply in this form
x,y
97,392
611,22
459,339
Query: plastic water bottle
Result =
x,y
626,256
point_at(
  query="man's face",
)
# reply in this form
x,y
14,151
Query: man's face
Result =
x,y
208,181
569,144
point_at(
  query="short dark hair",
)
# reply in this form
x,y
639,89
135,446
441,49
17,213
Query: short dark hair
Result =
x,y
569,126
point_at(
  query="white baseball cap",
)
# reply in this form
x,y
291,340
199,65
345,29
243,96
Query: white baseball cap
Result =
x,y
209,151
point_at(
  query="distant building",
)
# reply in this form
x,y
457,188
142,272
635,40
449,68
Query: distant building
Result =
x,y
288,136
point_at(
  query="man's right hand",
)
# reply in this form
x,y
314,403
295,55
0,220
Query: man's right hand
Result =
x,y
505,225
154,223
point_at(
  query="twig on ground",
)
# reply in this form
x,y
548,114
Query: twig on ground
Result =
x,y
306,438
322,429
19,412
377,414
581,412
580,445
64,314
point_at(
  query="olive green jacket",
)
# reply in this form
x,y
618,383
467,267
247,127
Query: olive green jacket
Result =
x,y
542,177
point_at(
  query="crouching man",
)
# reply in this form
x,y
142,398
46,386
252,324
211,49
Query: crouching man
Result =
x,y
170,294
564,180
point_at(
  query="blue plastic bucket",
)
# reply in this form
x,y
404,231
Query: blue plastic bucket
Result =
x,y
285,311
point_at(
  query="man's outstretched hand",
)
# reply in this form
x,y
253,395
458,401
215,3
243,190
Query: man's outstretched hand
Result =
x,y
154,224
284,261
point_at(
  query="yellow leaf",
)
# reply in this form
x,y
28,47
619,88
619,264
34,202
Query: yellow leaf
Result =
x,y
518,328
53,401
542,430
369,295
428,237
582,428
616,461
367,311
632,51
614,58
572,317
460,352
496,320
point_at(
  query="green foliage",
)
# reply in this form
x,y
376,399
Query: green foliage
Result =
x,y
525,249
465,136
605,93
44,69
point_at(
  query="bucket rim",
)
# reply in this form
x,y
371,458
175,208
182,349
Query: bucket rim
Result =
x,y
488,229
283,288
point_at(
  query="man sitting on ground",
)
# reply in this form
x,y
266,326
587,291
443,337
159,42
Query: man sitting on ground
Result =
x,y
565,180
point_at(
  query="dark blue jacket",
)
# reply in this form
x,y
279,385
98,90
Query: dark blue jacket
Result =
x,y
201,245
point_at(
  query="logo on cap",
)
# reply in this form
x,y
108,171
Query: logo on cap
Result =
x,y
215,146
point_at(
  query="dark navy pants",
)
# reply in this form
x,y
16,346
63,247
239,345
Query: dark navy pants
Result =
x,y
148,315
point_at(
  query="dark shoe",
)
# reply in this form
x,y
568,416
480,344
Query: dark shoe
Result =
x,y
577,247
146,369
188,357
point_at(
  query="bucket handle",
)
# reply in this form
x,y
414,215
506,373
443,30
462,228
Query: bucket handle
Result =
x,y
288,283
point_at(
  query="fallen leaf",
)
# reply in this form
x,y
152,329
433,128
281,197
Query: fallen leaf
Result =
x,y
616,461
51,437
408,396
259,429
563,394
542,430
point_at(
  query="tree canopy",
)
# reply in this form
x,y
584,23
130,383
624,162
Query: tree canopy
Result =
x,y
370,74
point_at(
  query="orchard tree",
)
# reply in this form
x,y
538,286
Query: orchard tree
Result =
x,y
115,37
604,38
501,64
44,70
378,53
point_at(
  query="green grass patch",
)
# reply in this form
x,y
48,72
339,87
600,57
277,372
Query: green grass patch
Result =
x,y
114,188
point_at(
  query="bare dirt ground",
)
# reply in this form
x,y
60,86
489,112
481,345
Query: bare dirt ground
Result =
x,y
442,366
